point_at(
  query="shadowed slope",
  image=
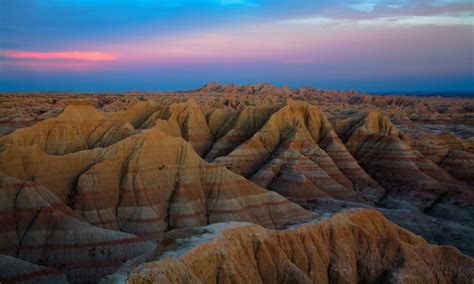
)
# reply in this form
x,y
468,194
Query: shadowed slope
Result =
x,y
14,270
136,114
412,180
234,128
184,120
39,228
460,164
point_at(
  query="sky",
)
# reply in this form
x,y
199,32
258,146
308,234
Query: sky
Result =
x,y
152,45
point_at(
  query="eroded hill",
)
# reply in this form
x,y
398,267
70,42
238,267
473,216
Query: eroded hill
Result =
x,y
92,184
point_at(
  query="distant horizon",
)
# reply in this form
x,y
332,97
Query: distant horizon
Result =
x,y
446,93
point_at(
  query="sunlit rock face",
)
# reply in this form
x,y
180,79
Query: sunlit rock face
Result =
x,y
349,247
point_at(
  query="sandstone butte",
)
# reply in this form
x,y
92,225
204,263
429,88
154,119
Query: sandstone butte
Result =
x,y
132,191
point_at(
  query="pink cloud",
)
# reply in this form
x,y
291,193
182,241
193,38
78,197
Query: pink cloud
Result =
x,y
50,66
67,55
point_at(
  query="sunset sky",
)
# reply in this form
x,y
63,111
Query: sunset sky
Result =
x,y
120,45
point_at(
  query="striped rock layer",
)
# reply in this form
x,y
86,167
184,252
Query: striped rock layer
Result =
x,y
82,189
460,164
411,179
449,152
297,153
138,187
358,246
44,236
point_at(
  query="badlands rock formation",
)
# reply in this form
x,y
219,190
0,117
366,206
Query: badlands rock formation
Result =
x,y
293,149
409,177
460,164
14,270
40,229
148,183
290,148
184,120
350,247
297,153
97,185
78,127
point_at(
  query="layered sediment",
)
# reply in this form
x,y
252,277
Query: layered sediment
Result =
x,y
152,188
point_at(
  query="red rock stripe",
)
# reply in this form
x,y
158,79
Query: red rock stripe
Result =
x,y
35,275
85,245
249,206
